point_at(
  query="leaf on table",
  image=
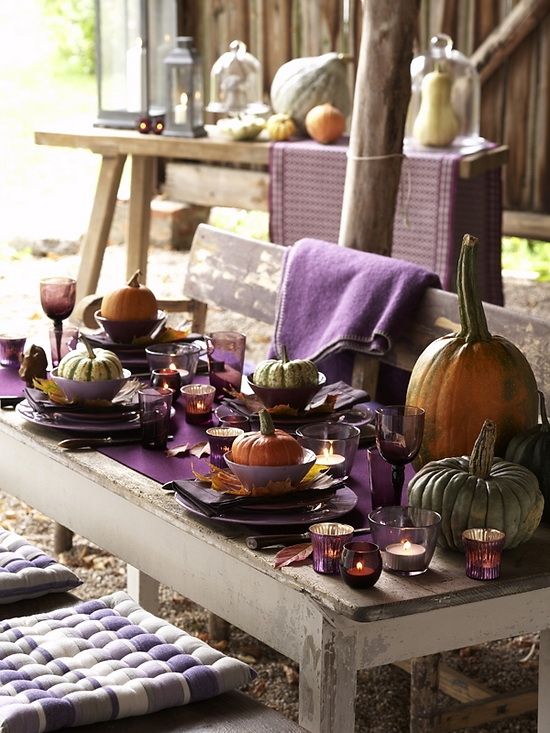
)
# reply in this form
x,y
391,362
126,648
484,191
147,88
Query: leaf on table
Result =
x,y
178,450
166,335
50,388
200,449
293,555
197,449
327,406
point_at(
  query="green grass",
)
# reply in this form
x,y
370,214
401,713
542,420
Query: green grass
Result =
x,y
526,257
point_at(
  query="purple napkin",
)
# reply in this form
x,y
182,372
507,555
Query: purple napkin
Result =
x,y
335,301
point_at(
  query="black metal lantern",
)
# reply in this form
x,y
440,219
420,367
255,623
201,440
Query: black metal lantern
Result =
x,y
184,91
132,39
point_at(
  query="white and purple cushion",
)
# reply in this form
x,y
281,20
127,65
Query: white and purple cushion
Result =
x,y
102,660
27,572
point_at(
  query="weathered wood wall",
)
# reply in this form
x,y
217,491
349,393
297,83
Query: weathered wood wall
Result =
x,y
515,97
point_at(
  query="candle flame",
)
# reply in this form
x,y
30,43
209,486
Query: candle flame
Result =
x,y
172,366
406,545
359,565
328,451
183,99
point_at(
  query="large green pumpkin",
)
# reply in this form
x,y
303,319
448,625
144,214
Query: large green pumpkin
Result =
x,y
285,372
303,83
479,491
532,450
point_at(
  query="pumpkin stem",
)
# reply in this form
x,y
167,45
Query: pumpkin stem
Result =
x,y
87,344
545,427
133,282
284,354
266,423
483,451
472,316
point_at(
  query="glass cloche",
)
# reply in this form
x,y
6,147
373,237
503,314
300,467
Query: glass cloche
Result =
x,y
445,98
236,84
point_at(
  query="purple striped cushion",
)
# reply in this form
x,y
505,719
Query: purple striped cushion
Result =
x,y
102,660
26,572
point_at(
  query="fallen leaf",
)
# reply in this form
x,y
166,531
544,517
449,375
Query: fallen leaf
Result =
x,y
178,450
200,449
54,392
293,555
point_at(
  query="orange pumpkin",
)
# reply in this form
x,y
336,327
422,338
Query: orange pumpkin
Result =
x,y
325,123
268,447
465,377
133,302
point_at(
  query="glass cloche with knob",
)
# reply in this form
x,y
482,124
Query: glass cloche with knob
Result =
x,y
445,99
236,83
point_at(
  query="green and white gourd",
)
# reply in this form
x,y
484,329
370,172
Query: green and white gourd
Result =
x,y
479,491
91,365
285,373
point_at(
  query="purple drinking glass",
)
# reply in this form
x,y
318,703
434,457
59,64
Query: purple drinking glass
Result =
x,y
57,297
225,351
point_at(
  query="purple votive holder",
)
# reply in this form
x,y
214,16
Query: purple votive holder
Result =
x,y
220,441
483,548
197,401
167,378
11,349
328,540
360,564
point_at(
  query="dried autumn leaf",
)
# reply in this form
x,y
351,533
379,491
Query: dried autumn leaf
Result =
x,y
200,449
166,335
326,406
178,450
293,555
54,392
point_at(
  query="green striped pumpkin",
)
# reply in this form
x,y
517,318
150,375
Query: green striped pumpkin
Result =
x,y
284,373
92,365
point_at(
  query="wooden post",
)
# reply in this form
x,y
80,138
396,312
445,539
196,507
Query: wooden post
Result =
x,y
424,686
382,92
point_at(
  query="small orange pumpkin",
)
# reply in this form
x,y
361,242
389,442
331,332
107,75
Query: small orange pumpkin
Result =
x,y
325,123
268,447
133,302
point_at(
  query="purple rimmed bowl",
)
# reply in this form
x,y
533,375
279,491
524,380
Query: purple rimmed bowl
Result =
x,y
100,389
123,332
251,476
296,397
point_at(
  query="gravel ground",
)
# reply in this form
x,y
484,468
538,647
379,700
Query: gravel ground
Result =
x,y
382,699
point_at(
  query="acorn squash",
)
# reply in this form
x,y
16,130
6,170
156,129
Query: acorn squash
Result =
x,y
281,373
90,366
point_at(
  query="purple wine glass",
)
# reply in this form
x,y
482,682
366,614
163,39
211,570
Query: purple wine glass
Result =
x,y
399,432
57,297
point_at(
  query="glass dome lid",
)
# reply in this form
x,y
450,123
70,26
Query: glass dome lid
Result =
x,y
236,84
445,99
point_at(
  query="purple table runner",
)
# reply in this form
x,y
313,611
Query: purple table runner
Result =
x,y
11,384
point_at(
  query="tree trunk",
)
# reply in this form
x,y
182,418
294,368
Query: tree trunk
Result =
x,y
382,92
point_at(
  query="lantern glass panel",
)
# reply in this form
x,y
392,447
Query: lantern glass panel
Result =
x,y
162,38
184,113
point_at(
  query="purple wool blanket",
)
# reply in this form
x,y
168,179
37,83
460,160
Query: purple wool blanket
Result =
x,y
335,301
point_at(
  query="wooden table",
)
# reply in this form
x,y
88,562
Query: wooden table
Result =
x,y
209,172
328,628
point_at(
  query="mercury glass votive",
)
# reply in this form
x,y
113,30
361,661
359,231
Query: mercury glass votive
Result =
x,y
334,444
327,540
11,349
483,548
221,440
198,400
360,564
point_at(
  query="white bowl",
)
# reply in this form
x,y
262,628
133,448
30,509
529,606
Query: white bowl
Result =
x,y
102,389
251,476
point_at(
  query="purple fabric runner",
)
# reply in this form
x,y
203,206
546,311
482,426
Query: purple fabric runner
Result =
x,y
11,384
366,304
435,207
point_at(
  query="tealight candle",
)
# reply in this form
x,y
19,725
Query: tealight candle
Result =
x,y
167,378
361,564
405,557
198,400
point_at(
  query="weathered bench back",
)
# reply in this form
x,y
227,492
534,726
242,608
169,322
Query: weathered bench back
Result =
x,y
243,276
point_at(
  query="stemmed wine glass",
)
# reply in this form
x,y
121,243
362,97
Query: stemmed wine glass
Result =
x,y
57,297
399,431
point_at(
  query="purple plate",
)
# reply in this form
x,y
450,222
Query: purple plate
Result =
x,y
343,501
77,426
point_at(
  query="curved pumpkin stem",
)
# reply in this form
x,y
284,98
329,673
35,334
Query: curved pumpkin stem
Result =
x,y
266,423
472,316
133,282
483,451
284,354
87,344
545,427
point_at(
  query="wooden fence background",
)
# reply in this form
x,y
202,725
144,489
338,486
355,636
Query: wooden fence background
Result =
x,y
515,96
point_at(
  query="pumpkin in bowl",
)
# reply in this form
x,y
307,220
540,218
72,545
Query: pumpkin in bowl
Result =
x,y
285,372
133,302
91,365
267,447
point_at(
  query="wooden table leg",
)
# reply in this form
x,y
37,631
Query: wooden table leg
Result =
x,y
91,256
139,216
328,677
62,538
543,724
143,589
424,688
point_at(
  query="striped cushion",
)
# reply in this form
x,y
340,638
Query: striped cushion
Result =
x,y
101,660
26,572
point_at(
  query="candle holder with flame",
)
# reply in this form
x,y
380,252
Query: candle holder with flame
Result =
x,y
197,401
184,358
483,548
334,444
360,564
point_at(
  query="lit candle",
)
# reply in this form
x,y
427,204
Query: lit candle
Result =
x,y
329,458
180,110
198,399
405,557
167,378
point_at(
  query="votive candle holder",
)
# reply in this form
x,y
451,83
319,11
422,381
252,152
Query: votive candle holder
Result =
x,y
198,400
360,564
483,548
11,350
167,378
334,443
220,441
327,540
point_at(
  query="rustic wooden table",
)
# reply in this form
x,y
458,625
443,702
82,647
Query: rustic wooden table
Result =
x,y
329,629
209,172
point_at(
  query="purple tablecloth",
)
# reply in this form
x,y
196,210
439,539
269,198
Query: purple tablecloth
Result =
x,y
11,384
435,207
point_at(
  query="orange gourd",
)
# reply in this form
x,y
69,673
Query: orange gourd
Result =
x,y
325,123
268,447
133,302
463,378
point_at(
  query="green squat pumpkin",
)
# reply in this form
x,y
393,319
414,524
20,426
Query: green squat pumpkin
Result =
x,y
303,83
532,450
92,365
462,378
479,491
285,372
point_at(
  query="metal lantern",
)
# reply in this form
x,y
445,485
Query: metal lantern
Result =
x,y
184,91
132,39
236,83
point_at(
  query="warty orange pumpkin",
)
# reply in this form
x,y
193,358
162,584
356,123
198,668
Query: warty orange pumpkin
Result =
x,y
463,378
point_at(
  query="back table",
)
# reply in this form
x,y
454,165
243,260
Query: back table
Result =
x,y
328,628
